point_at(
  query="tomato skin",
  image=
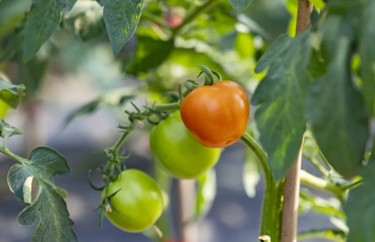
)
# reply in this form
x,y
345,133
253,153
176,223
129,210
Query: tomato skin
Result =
x,y
178,152
216,115
139,202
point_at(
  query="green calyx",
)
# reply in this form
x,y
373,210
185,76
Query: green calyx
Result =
x,y
209,75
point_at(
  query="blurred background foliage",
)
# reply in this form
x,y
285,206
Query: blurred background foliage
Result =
x,y
77,69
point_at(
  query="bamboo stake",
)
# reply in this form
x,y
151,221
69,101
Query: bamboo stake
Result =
x,y
292,179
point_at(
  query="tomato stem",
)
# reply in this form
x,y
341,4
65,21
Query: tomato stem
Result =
x,y
167,107
312,181
120,142
273,194
271,214
7,152
208,75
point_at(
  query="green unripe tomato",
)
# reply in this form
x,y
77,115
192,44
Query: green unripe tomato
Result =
x,y
139,202
178,152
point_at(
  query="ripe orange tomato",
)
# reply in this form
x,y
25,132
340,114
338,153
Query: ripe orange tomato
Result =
x,y
216,115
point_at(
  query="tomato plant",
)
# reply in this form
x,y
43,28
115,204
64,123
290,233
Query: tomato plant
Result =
x,y
178,152
305,66
137,203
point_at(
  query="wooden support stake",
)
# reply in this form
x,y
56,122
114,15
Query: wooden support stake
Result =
x,y
186,203
292,179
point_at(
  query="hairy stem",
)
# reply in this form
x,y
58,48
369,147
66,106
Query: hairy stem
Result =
x,y
354,184
120,142
272,203
270,224
320,184
7,152
167,106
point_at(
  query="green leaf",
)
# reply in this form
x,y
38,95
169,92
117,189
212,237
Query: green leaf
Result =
x,y
3,109
311,203
360,208
88,108
62,192
206,193
251,172
319,4
150,54
367,54
7,130
41,22
337,115
48,211
317,66
281,96
292,7
244,45
10,25
331,234
111,99
32,73
11,94
13,45
240,5
121,18
273,53
312,153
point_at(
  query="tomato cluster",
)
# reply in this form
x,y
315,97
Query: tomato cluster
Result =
x,y
185,144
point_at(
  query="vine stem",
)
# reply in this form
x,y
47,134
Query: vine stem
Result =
x,y
120,142
197,11
272,203
320,184
270,224
292,179
160,107
352,185
7,152
167,106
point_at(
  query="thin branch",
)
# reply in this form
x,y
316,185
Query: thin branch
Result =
x,y
320,184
